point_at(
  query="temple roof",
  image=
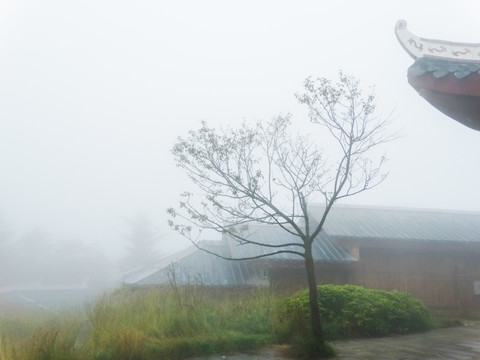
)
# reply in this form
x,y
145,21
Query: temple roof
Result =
x,y
445,73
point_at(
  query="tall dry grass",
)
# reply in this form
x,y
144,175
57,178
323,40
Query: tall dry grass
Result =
x,y
160,323
180,322
36,335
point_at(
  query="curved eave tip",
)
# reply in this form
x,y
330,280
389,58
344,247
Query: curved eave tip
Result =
x,y
401,24
405,38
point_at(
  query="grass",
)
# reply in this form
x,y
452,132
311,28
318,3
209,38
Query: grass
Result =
x,y
157,323
33,335
190,321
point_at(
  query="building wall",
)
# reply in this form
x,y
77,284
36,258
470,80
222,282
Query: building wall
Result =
x,y
440,276
293,278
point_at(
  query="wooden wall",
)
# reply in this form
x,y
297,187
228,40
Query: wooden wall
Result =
x,y
290,279
440,276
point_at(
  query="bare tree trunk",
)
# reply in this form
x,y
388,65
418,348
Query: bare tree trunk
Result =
x,y
316,322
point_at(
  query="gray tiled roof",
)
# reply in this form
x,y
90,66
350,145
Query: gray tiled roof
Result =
x,y
324,250
441,67
190,266
397,223
196,267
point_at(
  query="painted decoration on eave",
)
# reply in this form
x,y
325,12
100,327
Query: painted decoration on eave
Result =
x,y
445,73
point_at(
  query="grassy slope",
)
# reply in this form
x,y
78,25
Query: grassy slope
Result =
x,y
171,324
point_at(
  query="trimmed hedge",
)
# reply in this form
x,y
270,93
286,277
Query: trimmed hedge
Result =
x,y
352,311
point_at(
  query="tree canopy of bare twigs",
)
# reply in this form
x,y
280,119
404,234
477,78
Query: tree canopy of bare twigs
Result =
x,y
261,174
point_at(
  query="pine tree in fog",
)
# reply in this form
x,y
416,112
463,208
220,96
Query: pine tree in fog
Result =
x,y
141,241
6,253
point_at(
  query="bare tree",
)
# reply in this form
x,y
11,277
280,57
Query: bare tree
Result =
x,y
260,174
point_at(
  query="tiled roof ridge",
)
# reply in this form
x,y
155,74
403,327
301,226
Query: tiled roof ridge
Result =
x,y
442,67
398,208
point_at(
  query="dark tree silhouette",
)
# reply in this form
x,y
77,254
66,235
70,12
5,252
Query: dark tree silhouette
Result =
x,y
259,174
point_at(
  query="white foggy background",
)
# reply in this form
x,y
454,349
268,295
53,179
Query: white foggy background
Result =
x,y
93,94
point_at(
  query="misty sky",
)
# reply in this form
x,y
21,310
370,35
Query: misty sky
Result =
x,y
94,93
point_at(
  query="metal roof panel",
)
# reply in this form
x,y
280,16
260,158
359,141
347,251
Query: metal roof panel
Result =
x,y
400,223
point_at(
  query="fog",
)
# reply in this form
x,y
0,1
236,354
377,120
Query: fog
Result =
x,y
93,95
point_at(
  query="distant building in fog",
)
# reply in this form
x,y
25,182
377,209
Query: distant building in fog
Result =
x,y
50,298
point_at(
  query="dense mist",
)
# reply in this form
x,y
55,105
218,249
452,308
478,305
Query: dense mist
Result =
x,y
94,94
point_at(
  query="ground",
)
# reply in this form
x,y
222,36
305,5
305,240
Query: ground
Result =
x,y
456,343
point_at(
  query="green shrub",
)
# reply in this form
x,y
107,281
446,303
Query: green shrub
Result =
x,y
353,311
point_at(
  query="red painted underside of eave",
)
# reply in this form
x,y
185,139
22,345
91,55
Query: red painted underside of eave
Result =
x,y
448,84
456,98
